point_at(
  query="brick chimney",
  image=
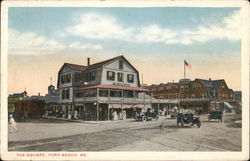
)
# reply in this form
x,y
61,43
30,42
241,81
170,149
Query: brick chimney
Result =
x,y
88,61
209,79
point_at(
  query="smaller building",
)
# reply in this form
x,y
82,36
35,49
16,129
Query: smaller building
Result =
x,y
16,97
52,107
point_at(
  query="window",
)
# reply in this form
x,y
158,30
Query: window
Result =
x,y
79,95
120,77
68,78
110,75
120,64
90,76
103,93
62,79
197,87
115,93
63,94
77,77
67,94
130,78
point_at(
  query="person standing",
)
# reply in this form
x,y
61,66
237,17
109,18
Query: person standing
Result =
x,y
13,124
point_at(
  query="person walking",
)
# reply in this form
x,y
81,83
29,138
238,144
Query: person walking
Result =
x,y
13,124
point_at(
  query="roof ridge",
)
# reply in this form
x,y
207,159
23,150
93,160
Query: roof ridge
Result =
x,y
75,64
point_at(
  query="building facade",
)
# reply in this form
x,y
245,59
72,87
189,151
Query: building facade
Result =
x,y
16,97
96,91
197,94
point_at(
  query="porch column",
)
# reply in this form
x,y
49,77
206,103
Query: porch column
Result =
x,y
108,113
97,111
84,112
134,95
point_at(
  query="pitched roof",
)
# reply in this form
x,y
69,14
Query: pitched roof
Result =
x,y
99,64
75,66
206,83
18,94
217,83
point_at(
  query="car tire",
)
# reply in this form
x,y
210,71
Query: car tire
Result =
x,y
198,124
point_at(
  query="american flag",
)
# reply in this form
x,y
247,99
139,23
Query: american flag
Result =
x,y
187,64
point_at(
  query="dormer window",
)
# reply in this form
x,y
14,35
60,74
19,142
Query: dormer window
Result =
x,y
121,64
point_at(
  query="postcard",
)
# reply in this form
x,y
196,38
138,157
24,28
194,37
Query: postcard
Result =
x,y
124,80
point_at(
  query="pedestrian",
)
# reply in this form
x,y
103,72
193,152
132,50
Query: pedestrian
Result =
x,y
115,115
13,124
69,115
76,115
124,115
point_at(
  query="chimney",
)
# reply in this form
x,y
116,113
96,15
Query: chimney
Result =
x,y
88,61
39,94
209,79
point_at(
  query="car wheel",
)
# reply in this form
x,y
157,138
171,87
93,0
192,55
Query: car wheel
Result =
x,y
198,124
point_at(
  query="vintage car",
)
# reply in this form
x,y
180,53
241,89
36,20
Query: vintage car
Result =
x,y
150,114
188,118
216,115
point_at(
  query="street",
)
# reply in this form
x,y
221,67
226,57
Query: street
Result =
x,y
126,135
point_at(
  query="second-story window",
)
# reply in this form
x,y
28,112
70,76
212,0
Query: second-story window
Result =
x,y
62,79
120,77
110,75
68,78
67,94
130,78
91,76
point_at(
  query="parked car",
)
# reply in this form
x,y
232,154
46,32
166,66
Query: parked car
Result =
x,y
188,118
150,114
216,115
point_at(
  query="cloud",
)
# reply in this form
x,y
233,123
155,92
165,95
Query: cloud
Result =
x,y
26,43
30,43
103,27
78,45
96,26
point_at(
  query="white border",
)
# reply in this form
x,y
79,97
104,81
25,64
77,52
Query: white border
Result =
x,y
243,155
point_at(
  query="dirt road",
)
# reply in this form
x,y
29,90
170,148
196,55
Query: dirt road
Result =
x,y
127,135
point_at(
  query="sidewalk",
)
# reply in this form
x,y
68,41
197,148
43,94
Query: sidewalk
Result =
x,y
88,122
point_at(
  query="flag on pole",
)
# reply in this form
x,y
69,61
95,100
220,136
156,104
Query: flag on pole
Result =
x,y
187,64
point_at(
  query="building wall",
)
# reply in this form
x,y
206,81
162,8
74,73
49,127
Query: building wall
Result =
x,y
30,107
114,67
199,93
223,92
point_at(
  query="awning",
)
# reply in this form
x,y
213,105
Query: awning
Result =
x,y
126,106
114,87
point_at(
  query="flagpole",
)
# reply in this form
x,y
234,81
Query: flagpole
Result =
x,y
184,70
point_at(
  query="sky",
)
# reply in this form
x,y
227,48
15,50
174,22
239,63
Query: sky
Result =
x,y
156,40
